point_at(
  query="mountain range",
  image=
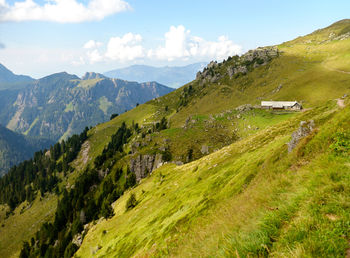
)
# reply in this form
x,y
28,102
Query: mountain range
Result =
x,y
172,76
62,104
202,170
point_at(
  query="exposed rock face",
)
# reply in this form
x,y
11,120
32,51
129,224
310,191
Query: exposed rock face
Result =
x,y
304,130
142,165
77,240
264,53
92,75
241,65
205,149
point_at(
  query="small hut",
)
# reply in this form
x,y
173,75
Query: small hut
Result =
x,y
286,105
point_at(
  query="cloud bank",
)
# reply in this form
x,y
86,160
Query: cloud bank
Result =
x,y
61,11
179,45
126,48
2,45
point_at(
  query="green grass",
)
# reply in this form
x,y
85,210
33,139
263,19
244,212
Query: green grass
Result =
x,y
241,200
87,84
100,135
24,223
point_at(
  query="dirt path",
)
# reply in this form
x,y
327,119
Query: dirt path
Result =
x,y
335,70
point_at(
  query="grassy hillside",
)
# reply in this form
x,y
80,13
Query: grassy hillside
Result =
x,y
25,221
252,197
249,196
269,190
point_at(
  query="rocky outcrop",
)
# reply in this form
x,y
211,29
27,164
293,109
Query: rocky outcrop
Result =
x,y
208,74
252,59
205,149
244,108
92,75
332,36
142,165
77,240
240,65
304,130
343,36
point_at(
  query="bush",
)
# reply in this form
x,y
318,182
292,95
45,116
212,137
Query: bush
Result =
x,y
131,202
341,143
113,116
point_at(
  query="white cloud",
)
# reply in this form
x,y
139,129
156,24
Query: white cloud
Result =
x,y
92,44
175,44
94,56
126,48
179,44
62,11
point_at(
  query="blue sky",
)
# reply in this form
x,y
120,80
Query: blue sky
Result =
x,y
100,35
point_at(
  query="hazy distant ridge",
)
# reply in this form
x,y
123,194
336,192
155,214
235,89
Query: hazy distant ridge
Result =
x,y
174,76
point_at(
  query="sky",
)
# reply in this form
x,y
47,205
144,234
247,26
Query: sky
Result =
x,y
41,37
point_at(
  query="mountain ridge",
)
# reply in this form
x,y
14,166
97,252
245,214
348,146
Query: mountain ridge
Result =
x,y
173,76
61,104
9,80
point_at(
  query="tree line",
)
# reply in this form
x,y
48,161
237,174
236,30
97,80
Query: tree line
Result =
x,y
91,198
39,174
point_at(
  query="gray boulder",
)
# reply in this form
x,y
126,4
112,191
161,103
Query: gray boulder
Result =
x,y
304,130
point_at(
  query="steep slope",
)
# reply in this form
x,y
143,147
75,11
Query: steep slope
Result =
x,y
9,80
250,198
174,77
61,104
15,148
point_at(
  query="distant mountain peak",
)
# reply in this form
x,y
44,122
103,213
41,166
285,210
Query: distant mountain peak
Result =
x,y
93,75
10,80
61,75
172,76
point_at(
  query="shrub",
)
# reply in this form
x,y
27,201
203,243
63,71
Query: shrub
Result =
x,y
131,202
341,143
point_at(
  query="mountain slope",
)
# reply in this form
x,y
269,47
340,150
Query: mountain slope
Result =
x,y
252,197
9,80
15,148
171,76
177,204
61,104
130,195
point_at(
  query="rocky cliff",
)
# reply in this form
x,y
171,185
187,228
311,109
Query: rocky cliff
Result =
x,y
142,165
